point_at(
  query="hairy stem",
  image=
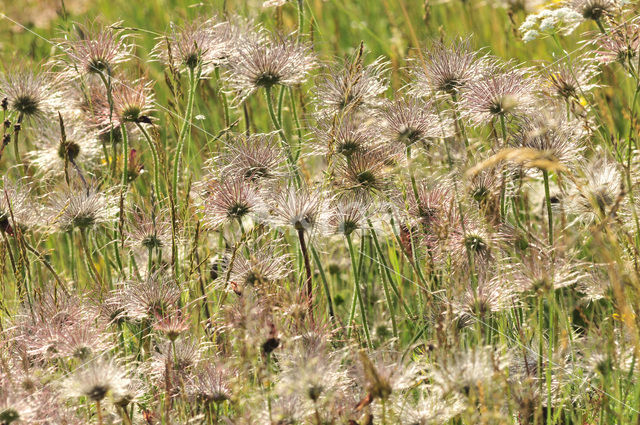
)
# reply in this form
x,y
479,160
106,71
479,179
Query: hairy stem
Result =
x,y
547,195
156,163
358,292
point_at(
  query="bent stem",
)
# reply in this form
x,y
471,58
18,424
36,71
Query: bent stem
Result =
x,y
358,292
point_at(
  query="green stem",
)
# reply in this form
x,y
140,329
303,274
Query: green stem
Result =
x,y
16,136
503,128
88,258
107,85
300,18
47,264
456,115
325,283
225,101
296,120
125,156
547,195
386,269
358,292
285,143
307,267
184,131
156,163
414,186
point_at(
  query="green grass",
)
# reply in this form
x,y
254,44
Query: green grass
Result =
x,y
383,303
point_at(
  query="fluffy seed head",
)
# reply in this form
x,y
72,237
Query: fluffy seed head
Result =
x,y
264,64
83,208
94,49
32,94
446,68
506,93
408,121
230,199
97,379
351,87
303,209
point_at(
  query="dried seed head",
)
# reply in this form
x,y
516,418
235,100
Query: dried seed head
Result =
x,y
255,157
349,214
352,87
94,49
264,64
56,154
594,9
83,208
31,94
202,45
149,232
157,295
229,200
447,68
96,379
503,94
621,44
132,102
302,209
408,121
571,80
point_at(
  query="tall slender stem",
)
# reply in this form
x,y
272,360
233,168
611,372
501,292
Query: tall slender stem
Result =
x,y
16,136
414,186
99,412
325,283
225,101
307,266
456,115
107,85
156,163
300,18
88,258
358,291
547,195
47,264
125,156
285,143
184,131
